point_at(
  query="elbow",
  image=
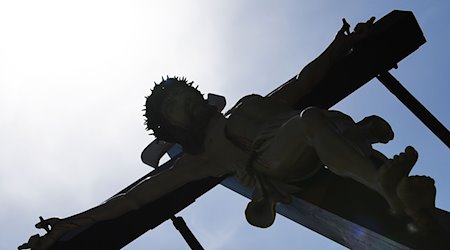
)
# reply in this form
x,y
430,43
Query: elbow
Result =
x,y
125,202
131,203
115,207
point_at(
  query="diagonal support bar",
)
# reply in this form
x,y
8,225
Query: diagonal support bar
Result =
x,y
396,88
187,234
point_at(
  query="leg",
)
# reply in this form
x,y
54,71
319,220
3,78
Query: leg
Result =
x,y
337,147
346,154
370,130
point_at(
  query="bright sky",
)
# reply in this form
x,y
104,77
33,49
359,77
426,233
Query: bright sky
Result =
x,y
73,76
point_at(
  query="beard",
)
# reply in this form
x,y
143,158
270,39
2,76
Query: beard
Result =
x,y
192,137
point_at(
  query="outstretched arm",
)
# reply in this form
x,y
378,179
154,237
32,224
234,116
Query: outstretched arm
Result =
x,y
314,72
184,170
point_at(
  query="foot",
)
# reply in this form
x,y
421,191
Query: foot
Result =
x,y
392,173
403,163
377,129
418,194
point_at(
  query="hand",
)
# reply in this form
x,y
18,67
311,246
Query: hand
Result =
x,y
345,40
58,228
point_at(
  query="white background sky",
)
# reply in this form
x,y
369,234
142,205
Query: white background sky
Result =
x,y
73,76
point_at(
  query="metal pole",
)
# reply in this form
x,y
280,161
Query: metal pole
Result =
x,y
188,236
396,88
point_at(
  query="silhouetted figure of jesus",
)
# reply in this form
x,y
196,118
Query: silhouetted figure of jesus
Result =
x,y
268,145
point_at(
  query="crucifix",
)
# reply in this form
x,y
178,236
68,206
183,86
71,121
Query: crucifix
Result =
x,y
285,151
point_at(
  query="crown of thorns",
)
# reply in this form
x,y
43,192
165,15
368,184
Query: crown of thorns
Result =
x,y
153,106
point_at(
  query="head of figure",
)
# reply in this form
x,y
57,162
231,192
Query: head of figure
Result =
x,y
177,112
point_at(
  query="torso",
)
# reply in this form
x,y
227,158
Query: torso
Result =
x,y
223,156
286,158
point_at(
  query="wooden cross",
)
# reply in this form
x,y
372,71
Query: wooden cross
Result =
x,y
336,207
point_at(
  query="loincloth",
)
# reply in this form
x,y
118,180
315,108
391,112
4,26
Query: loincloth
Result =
x,y
253,126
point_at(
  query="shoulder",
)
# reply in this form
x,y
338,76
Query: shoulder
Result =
x,y
241,101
